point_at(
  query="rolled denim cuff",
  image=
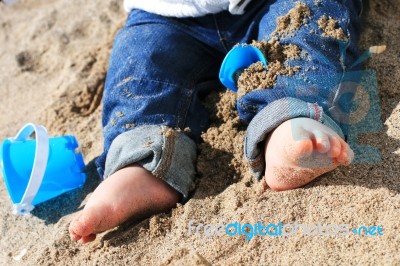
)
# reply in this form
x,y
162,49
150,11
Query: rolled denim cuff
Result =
x,y
272,116
166,153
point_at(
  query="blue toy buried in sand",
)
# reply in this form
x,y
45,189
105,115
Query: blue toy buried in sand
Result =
x,y
237,60
36,170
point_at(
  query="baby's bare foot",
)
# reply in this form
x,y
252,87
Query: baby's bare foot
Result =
x,y
131,191
301,149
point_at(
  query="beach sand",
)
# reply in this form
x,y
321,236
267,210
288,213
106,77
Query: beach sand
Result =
x,y
53,60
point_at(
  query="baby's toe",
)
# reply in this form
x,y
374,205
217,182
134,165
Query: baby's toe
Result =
x,y
83,225
73,235
335,147
88,238
322,141
346,155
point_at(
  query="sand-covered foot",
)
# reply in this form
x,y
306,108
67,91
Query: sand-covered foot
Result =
x,y
301,149
130,192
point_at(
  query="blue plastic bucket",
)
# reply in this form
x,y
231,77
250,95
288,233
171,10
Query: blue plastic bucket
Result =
x,y
36,170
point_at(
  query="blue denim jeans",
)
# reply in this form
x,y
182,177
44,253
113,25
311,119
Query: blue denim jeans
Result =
x,y
161,67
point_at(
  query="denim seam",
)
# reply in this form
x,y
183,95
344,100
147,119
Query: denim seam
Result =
x,y
361,9
166,157
221,39
342,64
184,105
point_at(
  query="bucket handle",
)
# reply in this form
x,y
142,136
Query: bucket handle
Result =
x,y
39,165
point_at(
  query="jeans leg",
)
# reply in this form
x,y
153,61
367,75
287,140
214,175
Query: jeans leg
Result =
x,y
316,90
156,72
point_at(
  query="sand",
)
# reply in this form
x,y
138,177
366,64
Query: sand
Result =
x,y
259,77
53,59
